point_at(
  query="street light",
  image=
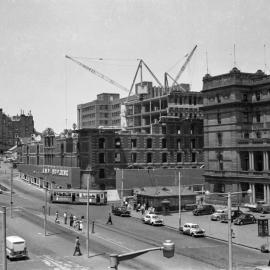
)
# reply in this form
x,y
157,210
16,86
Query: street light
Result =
x,y
167,247
228,195
11,190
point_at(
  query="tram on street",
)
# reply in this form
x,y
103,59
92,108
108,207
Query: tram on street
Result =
x,y
78,196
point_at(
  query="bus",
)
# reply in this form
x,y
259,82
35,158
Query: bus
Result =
x,y
78,196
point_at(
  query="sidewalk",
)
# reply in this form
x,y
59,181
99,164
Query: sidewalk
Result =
x,y
245,235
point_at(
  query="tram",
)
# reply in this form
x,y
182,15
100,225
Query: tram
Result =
x,y
78,196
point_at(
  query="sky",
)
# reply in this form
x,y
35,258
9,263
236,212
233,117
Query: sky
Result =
x,y
37,34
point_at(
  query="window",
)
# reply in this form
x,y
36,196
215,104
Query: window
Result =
x,y
193,143
101,143
133,143
258,117
179,157
117,157
193,157
149,157
178,130
164,157
219,187
218,99
245,97
149,143
219,138
101,158
192,129
246,135
134,157
220,160
218,118
258,134
164,143
163,130
178,143
258,96
101,173
117,143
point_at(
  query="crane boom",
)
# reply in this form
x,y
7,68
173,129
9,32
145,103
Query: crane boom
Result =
x,y
184,66
99,74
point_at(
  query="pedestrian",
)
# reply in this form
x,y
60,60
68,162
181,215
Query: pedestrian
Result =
x,y
80,225
109,219
57,217
65,217
77,247
71,220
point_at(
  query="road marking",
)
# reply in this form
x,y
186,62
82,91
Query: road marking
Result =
x,y
119,244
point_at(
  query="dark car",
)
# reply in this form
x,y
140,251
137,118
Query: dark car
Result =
x,y
121,211
235,214
205,209
245,219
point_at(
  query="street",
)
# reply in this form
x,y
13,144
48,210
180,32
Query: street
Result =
x,y
125,235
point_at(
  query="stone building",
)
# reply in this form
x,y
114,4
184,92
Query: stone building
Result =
x,y
237,134
11,128
104,111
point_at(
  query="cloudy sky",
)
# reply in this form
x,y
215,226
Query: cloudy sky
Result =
x,y
37,34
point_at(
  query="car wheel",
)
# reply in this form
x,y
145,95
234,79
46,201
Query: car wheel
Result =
x,y
241,223
218,218
192,234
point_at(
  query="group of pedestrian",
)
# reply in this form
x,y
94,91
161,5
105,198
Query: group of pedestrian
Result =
x,y
75,222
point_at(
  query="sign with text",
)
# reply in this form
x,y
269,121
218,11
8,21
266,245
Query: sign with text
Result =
x,y
55,171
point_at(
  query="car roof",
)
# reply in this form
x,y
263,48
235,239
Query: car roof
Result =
x,y
190,224
15,238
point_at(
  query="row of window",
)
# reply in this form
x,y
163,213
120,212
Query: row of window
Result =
x,y
149,157
149,143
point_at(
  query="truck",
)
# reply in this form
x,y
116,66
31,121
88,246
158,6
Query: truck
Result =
x,y
16,247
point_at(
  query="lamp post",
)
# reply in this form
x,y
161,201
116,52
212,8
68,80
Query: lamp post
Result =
x,y
179,191
45,212
167,247
229,203
11,190
3,212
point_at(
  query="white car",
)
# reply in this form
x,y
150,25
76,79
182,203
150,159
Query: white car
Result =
x,y
153,219
192,229
217,215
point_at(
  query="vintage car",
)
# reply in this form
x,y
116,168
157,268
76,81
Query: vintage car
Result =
x,y
16,247
245,219
192,229
205,209
121,211
218,214
153,219
234,214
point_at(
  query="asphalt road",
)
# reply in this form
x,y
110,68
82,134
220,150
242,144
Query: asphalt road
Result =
x,y
127,234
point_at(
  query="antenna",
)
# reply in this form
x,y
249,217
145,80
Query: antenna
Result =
x,y
264,58
66,94
207,70
234,61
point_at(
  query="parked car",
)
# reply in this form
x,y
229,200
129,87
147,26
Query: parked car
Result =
x,y
205,209
217,215
263,208
190,207
16,247
235,214
245,219
153,219
121,211
192,229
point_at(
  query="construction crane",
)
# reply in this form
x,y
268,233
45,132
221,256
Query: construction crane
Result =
x,y
183,67
99,74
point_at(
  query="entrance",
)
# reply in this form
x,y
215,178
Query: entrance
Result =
x,y
259,193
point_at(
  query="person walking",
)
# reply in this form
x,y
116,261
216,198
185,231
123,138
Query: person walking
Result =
x,y
57,217
65,217
77,247
109,219
71,220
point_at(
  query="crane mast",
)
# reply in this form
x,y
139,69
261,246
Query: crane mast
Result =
x,y
184,66
99,74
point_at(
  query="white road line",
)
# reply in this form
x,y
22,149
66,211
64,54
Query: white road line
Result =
x,y
119,244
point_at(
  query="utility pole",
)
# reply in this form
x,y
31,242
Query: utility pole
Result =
x,y
11,190
4,237
87,243
179,187
45,213
230,231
